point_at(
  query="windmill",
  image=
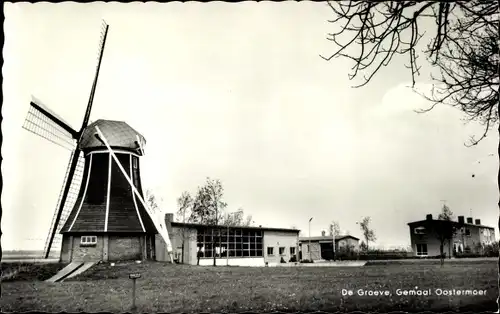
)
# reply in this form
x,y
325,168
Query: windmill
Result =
x,y
77,213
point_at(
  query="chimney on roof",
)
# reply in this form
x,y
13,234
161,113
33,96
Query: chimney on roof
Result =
x,y
469,220
478,221
169,217
461,219
429,217
323,233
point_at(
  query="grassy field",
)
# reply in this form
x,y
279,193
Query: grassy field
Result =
x,y
24,271
179,288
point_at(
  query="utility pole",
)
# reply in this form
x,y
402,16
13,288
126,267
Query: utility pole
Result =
x,y
183,233
214,250
309,247
227,249
334,258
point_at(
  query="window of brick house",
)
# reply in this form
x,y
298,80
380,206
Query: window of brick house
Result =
x,y
270,250
421,249
419,230
282,250
88,240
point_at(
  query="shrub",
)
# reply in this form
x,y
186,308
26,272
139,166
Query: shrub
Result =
x,y
491,250
383,256
282,260
306,261
466,255
293,259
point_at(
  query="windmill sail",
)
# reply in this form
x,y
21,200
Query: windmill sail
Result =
x,y
102,43
160,227
43,122
53,249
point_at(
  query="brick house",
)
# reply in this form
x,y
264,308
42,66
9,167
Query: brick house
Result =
x,y
468,237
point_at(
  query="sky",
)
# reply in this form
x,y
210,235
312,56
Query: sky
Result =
x,y
236,92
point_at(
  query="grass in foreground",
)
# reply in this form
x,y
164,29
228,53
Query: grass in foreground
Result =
x,y
29,271
179,288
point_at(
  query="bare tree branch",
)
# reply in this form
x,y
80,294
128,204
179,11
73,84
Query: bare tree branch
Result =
x,y
463,48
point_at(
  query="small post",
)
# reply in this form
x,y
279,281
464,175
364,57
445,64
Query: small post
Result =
x,y
334,257
227,246
133,293
309,247
134,277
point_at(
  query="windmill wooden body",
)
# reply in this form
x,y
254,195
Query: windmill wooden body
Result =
x,y
101,213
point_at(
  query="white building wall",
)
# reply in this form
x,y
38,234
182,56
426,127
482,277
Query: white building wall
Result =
x,y
241,261
188,236
311,250
277,239
348,242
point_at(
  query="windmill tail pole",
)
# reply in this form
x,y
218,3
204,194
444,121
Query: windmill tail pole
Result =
x,y
74,162
498,182
163,231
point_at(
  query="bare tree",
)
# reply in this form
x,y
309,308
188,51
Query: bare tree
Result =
x,y
463,48
248,221
445,228
208,208
334,229
236,219
363,246
153,202
368,233
216,191
184,203
446,233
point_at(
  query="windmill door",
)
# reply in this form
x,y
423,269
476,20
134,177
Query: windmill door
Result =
x,y
150,247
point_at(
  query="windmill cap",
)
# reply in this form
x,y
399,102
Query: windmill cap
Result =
x,y
118,134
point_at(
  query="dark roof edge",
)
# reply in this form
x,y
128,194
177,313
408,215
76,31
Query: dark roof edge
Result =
x,y
90,232
326,238
180,224
456,222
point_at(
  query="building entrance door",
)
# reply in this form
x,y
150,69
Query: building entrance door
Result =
x,y
327,251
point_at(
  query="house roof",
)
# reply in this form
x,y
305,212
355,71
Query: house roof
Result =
x,y
193,225
421,222
118,134
327,238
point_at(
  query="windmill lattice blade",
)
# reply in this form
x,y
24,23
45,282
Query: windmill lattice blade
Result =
x,y
38,123
104,29
102,43
68,206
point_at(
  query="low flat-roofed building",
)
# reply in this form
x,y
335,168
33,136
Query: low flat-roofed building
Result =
x,y
321,247
196,244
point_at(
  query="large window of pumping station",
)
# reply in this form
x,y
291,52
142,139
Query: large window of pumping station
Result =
x,y
232,242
